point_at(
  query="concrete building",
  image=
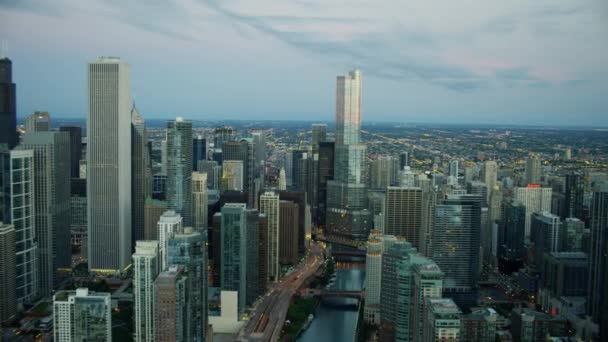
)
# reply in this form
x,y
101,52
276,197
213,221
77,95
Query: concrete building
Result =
x,y
288,232
52,204
479,325
232,175
146,266
179,168
8,302
109,165
153,210
427,283
528,325
442,320
169,223
81,315
381,172
199,200
282,180
533,169
403,213
141,180
319,134
38,122
490,173
171,293
536,200
269,206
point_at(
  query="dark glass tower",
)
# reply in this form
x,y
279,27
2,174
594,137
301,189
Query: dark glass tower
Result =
x,y
199,151
75,148
8,106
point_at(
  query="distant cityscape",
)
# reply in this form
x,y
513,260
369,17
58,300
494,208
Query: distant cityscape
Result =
x,y
114,227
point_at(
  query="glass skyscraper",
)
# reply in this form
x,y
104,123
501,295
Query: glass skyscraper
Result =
x,y
179,168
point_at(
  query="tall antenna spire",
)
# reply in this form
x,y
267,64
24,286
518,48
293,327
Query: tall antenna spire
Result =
x,y
3,48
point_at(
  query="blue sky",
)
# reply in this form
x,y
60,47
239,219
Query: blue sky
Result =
x,y
466,61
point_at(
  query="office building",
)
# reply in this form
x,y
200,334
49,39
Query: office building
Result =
x,y
574,195
199,200
479,325
222,135
22,213
153,210
381,172
347,214
598,260
52,204
234,251
243,151
546,235
535,199
8,105
324,174
75,133
288,232
319,134
179,168
8,302
404,159
187,248
533,169
38,122
109,164
565,274
282,180
146,266
252,241
574,230
528,325
232,175
141,180
269,206
171,292
403,213
78,210
199,151
81,315
213,171
455,245
442,322
512,234
169,223
490,173
427,283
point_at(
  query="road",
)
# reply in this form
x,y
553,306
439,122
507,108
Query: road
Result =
x,y
266,321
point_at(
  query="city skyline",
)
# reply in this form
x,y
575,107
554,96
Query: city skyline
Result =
x,y
416,70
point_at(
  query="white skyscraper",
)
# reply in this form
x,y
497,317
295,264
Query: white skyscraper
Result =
x,y
282,180
80,316
146,266
269,205
490,172
536,200
170,223
109,164
199,200
376,245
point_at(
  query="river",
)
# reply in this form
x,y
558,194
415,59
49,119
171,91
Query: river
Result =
x,y
335,318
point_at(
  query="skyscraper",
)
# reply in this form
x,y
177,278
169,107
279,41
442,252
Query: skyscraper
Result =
x,y
282,180
52,204
288,232
535,199
252,241
199,151
8,104
598,259
533,169
141,180
109,164
347,213
428,283
75,148
269,205
381,172
490,174
187,248
171,292
546,235
442,320
199,200
38,122
169,223
232,175
153,210
574,194
403,213
146,266
319,134
179,168
234,251
377,244
8,302
22,213
325,173
80,316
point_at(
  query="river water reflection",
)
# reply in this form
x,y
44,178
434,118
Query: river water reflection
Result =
x,y
335,318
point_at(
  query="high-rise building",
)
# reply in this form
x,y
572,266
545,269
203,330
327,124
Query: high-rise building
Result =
x,y
78,210
381,172
454,168
481,189
319,134
169,223
531,325
8,302
75,148
546,235
298,172
8,104
428,283
455,244
535,199
282,180
109,164
52,204
325,173
252,240
490,173
479,325
512,234
347,213
199,151
82,316
574,195
146,266
404,159
141,180
187,248
262,253
22,213
234,251
442,320
565,274
269,205
403,213
171,292
533,169
38,122
574,230
598,259
213,171
243,151
179,168
222,135
199,200
288,232
232,175
153,210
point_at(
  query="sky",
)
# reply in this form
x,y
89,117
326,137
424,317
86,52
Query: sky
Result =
x,y
466,61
